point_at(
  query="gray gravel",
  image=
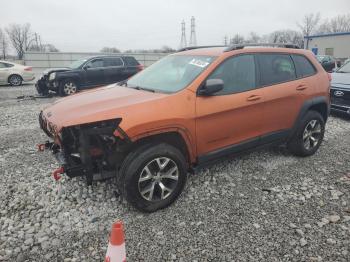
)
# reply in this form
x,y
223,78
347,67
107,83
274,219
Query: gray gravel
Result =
x,y
263,206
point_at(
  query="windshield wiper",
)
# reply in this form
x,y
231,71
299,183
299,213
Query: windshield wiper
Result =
x,y
340,71
143,88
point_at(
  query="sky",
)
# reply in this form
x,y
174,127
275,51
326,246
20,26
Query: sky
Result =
x,y
87,26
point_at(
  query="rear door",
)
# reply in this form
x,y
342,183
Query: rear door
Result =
x,y
132,66
114,69
283,91
95,72
233,115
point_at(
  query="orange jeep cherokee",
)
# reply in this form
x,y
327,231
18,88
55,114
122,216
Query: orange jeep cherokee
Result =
x,y
190,108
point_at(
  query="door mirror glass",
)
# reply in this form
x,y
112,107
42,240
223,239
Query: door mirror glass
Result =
x,y
211,87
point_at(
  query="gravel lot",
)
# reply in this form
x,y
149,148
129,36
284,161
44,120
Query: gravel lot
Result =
x,y
263,206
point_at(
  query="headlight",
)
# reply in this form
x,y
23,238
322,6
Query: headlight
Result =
x,y
52,76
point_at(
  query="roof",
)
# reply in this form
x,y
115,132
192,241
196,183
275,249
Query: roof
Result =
x,y
325,35
217,51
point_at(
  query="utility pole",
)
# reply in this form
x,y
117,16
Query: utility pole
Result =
x,y
183,42
193,38
225,40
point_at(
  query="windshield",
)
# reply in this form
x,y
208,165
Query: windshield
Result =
x,y
345,68
171,74
320,58
77,64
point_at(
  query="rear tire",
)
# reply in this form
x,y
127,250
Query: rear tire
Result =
x,y
308,136
152,176
67,87
15,80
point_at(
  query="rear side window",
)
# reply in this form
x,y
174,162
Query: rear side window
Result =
x,y
276,68
238,74
113,61
131,61
303,66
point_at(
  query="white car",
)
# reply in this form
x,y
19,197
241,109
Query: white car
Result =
x,y
15,74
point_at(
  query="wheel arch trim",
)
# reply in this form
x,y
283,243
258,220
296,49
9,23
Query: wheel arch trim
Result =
x,y
308,104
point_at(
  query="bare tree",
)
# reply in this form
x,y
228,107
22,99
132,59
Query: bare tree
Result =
x,y
286,36
110,50
340,23
254,38
21,37
50,48
237,39
309,24
3,44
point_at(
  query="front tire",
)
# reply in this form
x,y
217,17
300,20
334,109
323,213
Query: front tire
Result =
x,y
153,176
68,87
15,80
309,135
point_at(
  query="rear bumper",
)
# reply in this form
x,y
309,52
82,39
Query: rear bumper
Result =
x,y
28,78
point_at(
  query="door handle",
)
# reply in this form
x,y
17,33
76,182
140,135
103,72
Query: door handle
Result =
x,y
253,98
301,87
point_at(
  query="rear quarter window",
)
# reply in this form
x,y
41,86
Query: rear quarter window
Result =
x,y
276,68
303,66
131,61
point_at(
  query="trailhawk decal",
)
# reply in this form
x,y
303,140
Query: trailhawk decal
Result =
x,y
199,63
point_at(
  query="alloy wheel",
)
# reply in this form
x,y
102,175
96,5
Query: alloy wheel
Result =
x,y
312,134
69,88
158,179
15,80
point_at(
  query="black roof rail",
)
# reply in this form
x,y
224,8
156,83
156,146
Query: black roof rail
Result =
x,y
197,47
241,46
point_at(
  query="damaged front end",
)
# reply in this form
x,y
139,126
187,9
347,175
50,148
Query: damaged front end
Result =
x,y
93,150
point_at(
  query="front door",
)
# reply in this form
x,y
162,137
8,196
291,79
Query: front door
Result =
x,y
232,117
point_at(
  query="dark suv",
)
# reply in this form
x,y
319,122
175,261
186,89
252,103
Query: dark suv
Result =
x,y
86,73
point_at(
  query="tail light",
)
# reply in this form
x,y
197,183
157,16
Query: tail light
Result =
x,y
140,67
28,68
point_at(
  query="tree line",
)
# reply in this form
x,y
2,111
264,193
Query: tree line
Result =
x,y
309,25
22,38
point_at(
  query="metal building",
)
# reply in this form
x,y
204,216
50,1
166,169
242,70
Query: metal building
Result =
x,y
335,44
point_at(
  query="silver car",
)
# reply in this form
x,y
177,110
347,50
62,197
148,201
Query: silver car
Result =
x,y
15,74
340,89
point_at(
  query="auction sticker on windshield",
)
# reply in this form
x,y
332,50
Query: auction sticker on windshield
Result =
x,y
198,63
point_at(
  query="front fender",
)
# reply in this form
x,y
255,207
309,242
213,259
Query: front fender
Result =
x,y
183,131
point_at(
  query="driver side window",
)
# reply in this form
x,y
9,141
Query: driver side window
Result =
x,y
238,74
95,63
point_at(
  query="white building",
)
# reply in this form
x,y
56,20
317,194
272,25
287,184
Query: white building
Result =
x,y
335,44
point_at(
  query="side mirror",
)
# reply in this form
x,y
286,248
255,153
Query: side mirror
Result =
x,y
86,67
211,87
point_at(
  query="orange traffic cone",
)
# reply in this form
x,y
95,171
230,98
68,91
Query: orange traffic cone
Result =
x,y
116,245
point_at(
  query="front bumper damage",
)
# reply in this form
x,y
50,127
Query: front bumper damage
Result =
x,y
93,150
44,85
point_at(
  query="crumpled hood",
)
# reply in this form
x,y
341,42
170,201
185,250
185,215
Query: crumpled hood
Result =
x,y
341,80
51,70
104,103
